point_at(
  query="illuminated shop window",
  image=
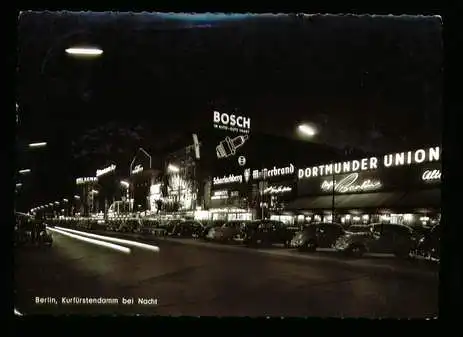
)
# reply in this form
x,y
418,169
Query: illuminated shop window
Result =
x,y
286,219
365,218
385,218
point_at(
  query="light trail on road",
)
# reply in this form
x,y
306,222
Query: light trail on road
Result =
x,y
93,241
112,239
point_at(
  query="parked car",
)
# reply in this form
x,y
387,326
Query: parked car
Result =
x,y
428,245
267,232
129,226
44,238
318,235
227,232
381,238
357,228
32,232
186,229
209,228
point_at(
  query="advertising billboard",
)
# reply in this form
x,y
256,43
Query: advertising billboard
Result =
x,y
400,178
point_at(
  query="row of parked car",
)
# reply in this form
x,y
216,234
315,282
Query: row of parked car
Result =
x,y
30,232
355,240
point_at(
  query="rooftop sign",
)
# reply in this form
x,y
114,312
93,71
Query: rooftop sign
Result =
x,y
85,180
372,163
233,123
106,170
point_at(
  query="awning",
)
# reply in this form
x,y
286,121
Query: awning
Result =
x,y
425,198
370,200
361,200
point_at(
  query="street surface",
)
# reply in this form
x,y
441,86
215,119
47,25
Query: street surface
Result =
x,y
188,277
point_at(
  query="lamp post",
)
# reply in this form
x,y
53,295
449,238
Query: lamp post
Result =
x,y
308,131
333,191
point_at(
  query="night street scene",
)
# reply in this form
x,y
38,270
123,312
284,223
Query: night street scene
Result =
x,y
228,165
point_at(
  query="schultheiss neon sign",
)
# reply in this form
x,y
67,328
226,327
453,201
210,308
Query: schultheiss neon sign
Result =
x,y
350,184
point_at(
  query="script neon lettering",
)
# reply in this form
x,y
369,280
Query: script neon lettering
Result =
x,y
349,184
431,175
277,189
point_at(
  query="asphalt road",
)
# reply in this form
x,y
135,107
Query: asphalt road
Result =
x,y
198,279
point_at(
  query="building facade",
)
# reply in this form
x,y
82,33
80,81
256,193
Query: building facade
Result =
x,y
401,187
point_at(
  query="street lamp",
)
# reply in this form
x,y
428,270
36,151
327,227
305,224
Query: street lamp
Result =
x,y
36,145
307,130
76,197
24,171
84,51
125,183
19,185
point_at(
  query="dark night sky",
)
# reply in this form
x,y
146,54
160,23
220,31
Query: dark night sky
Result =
x,y
367,82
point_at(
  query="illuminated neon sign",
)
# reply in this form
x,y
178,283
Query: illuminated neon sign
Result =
x,y
273,172
277,189
84,180
395,159
220,195
431,175
231,178
106,170
228,122
351,184
137,169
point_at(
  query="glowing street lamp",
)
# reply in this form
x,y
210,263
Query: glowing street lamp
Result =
x,y
173,168
307,130
84,51
65,200
76,197
19,185
56,202
125,183
40,144
24,171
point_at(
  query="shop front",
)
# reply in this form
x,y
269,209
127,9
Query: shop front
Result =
x,y
256,193
87,186
227,198
399,188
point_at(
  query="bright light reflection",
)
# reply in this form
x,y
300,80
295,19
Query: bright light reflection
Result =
x,y
95,242
84,51
111,239
24,171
